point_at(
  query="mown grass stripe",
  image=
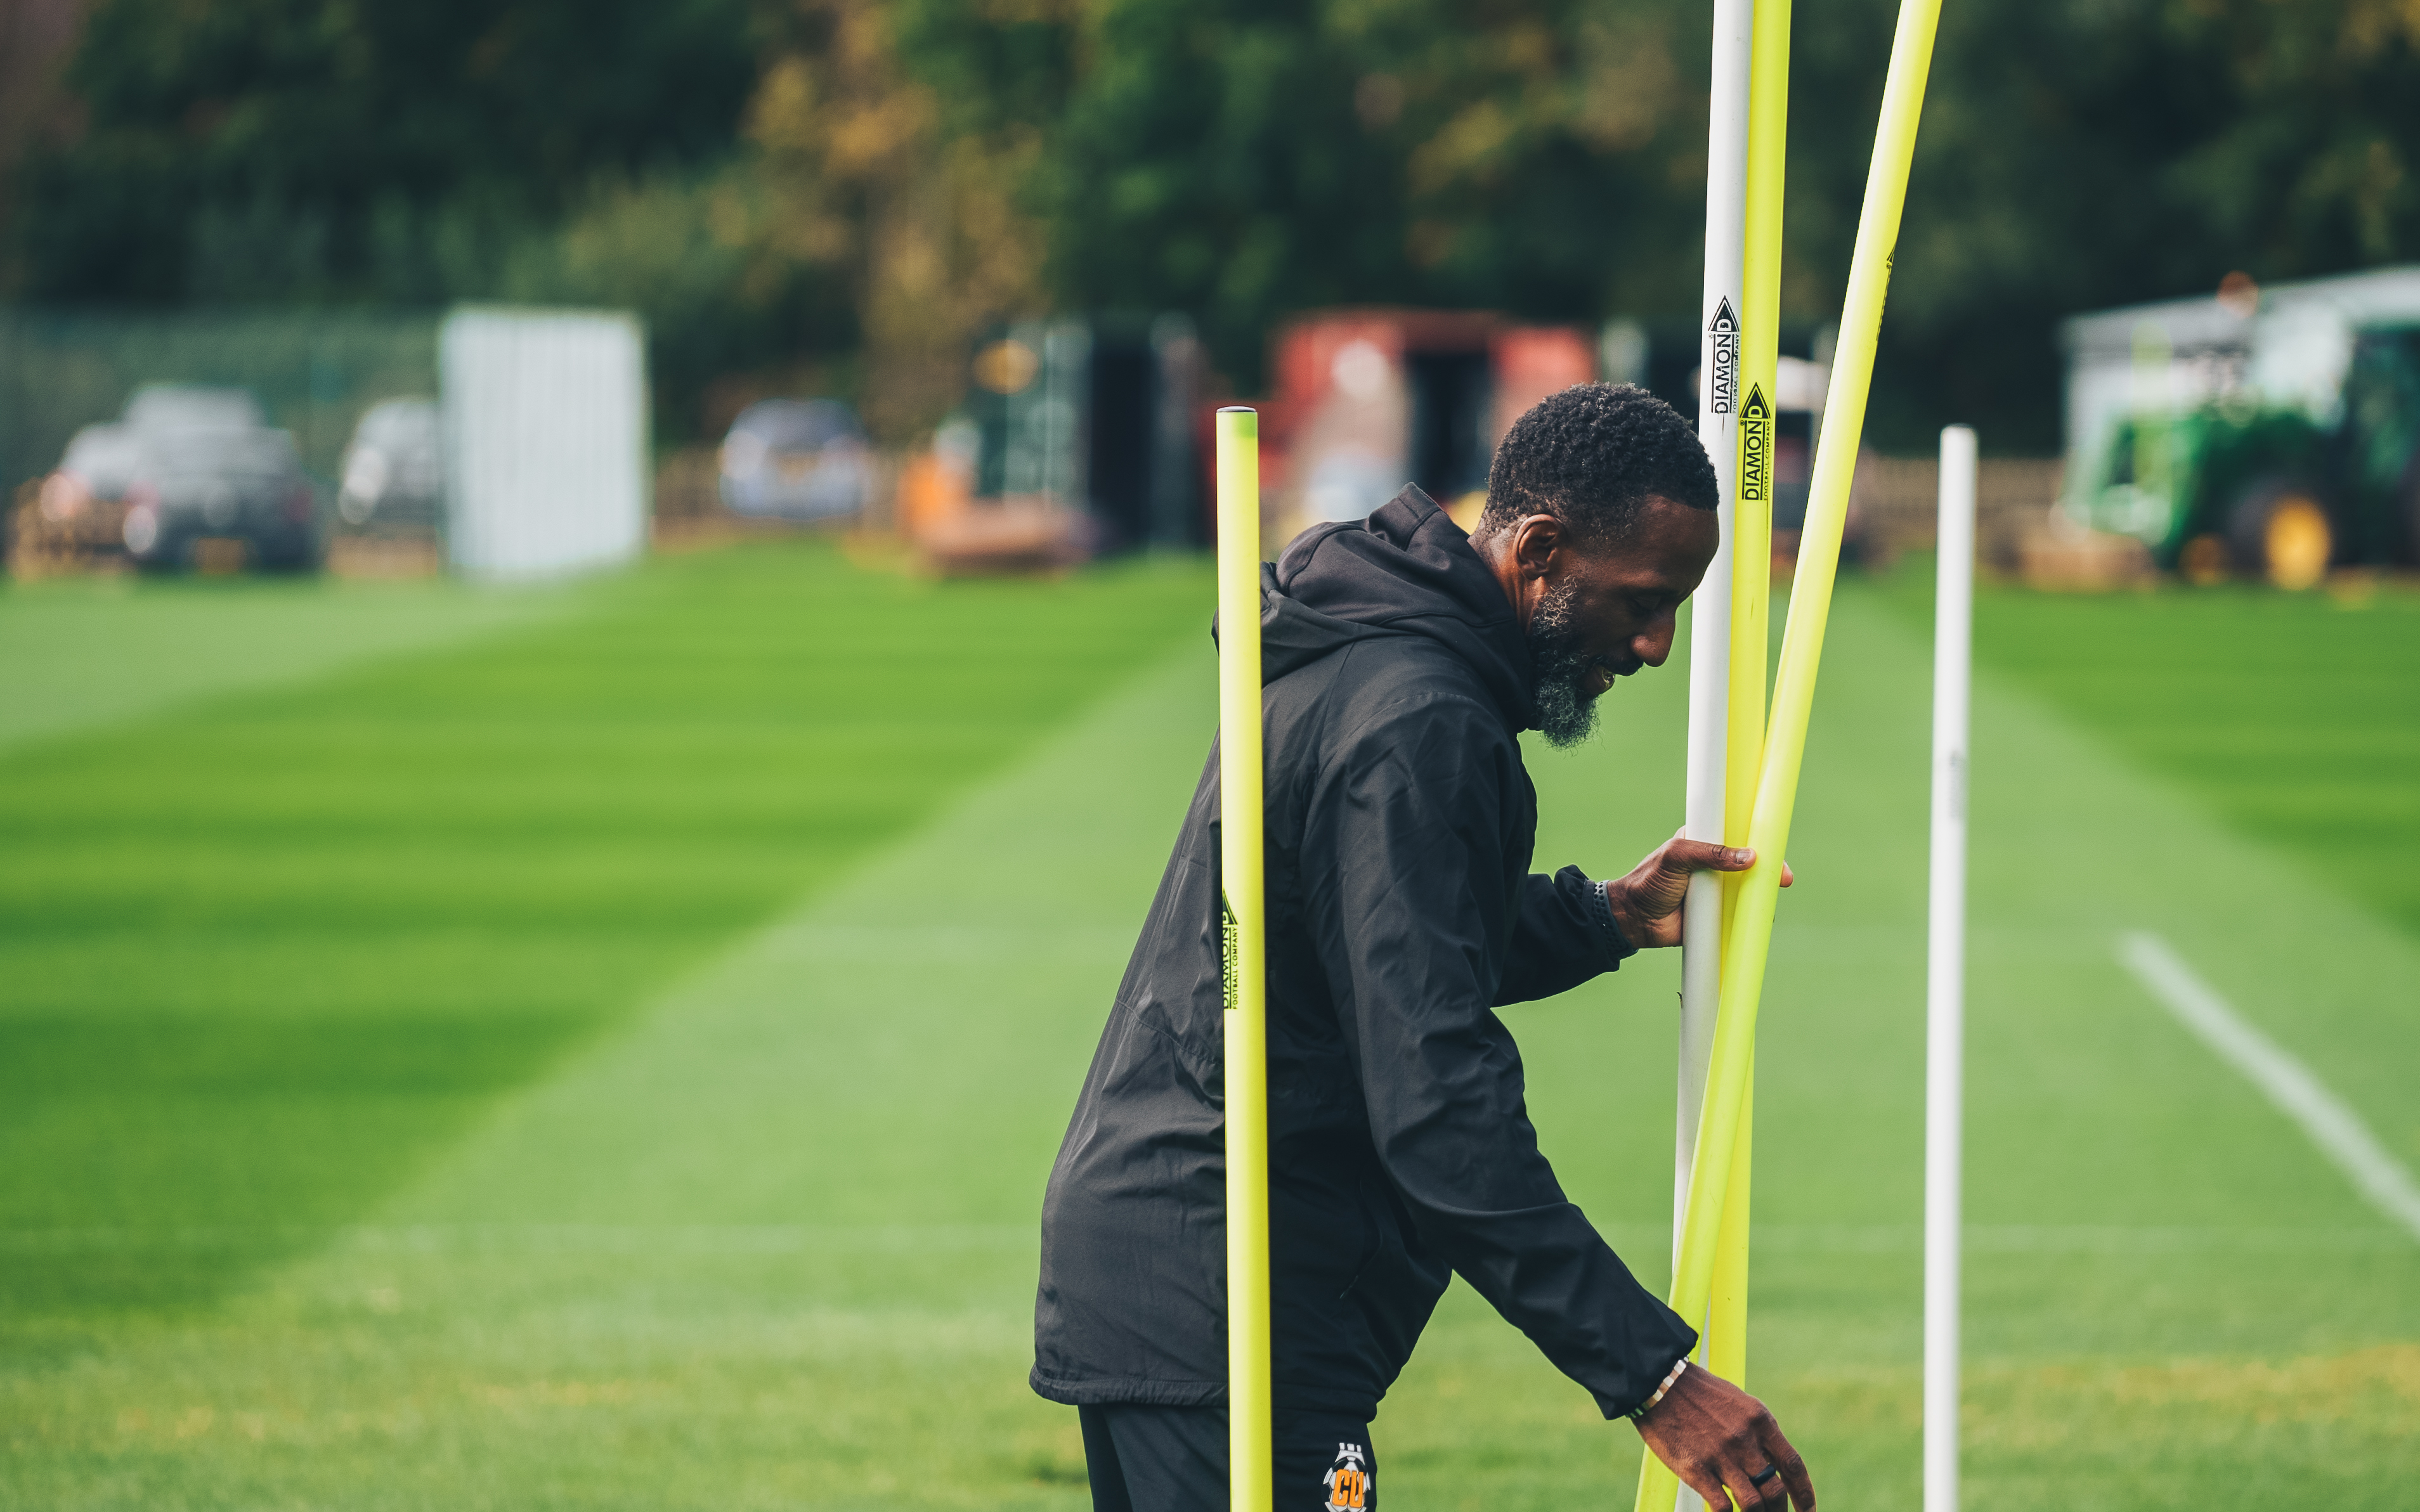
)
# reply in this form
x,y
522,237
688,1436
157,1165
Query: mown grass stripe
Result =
x,y
266,954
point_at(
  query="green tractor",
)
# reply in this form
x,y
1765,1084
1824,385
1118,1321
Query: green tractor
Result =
x,y
2274,434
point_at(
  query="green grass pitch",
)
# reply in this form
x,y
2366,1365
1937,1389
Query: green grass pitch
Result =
x,y
601,1048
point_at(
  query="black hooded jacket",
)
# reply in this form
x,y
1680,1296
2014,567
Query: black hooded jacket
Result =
x,y
1402,913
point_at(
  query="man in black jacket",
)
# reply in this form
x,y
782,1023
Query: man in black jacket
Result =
x,y
1400,660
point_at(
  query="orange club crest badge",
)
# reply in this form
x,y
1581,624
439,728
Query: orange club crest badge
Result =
x,y
1348,1482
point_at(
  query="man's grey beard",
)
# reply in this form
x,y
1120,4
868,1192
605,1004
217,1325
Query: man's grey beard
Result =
x,y
1559,674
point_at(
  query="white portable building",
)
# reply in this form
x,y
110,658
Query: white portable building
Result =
x,y
546,439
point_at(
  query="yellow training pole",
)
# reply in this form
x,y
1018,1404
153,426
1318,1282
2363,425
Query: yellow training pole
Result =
x,y
1768,130
1802,648
1250,1476
1727,1307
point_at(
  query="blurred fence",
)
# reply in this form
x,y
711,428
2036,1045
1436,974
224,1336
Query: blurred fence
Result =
x,y
313,371
1896,500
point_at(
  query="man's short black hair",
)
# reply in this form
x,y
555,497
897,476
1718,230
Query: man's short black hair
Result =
x,y
1590,456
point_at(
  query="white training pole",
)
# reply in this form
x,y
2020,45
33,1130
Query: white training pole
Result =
x,y
1945,996
1710,607
1710,610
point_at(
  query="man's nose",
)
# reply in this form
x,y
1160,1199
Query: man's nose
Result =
x,y
1653,645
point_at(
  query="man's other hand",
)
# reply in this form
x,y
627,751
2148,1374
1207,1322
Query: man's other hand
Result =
x,y
1647,903
1717,1438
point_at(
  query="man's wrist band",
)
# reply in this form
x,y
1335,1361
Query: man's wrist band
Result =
x,y
1622,945
1649,1405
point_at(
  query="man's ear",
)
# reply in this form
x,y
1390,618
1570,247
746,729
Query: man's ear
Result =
x,y
1536,538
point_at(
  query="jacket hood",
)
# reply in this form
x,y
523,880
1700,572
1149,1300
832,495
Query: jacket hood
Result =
x,y
1408,569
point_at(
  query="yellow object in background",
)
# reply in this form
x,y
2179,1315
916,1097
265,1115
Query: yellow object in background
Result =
x,y
2296,543
1249,1470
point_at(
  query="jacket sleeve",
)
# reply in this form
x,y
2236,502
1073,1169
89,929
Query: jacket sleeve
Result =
x,y
1563,935
1412,904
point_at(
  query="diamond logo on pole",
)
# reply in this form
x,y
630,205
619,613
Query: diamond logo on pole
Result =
x,y
1756,447
1722,343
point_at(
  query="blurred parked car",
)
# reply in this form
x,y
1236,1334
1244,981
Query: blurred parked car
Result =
x,y
796,459
220,498
188,476
102,461
394,469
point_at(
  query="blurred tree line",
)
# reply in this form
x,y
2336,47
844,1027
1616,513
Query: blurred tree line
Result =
x,y
836,194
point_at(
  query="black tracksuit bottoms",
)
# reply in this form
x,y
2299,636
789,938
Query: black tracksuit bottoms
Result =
x,y
1174,1460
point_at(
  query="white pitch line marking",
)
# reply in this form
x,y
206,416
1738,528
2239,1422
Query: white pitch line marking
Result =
x,y
2300,1095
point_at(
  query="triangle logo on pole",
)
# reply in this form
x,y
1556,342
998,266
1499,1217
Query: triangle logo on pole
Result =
x,y
1722,360
1756,449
